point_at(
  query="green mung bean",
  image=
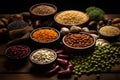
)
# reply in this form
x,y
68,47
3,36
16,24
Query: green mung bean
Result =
x,y
100,60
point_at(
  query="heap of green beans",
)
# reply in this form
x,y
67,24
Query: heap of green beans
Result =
x,y
100,60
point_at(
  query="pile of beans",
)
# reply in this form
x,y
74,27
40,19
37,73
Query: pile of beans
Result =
x,y
79,40
43,56
17,51
100,60
43,10
71,17
45,35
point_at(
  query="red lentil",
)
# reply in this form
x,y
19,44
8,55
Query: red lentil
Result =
x,y
79,40
45,35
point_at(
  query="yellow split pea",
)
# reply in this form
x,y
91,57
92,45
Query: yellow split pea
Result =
x,y
71,17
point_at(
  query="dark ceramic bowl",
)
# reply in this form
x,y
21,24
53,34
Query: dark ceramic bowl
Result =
x,y
17,52
79,50
48,43
36,16
109,38
60,25
41,64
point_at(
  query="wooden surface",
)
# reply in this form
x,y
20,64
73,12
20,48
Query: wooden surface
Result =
x,y
24,70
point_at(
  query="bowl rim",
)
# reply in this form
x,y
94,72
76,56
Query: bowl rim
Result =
x,y
79,47
45,28
48,4
108,36
16,58
70,24
98,30
55,55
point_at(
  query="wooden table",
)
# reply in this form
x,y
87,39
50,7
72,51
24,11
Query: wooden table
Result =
x,y
14,71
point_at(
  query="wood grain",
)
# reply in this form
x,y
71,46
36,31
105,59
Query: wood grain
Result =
x,y
24,70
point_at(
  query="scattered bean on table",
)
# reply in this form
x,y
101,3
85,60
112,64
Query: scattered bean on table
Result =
x,y
100,60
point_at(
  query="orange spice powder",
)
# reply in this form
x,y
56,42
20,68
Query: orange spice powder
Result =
x,y
45,35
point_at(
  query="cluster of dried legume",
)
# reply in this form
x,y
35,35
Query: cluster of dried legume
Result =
x,y
43,56
71,17
45,35
101,59
79,40
17,51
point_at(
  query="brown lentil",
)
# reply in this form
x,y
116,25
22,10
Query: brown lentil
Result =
x,y
43,10
79,40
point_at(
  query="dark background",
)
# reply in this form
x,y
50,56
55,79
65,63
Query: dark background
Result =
x,y
17,6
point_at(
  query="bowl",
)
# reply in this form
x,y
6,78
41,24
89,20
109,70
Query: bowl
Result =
x,y
78,43
43,58
109,33
45,36
42,11
17,52
69,18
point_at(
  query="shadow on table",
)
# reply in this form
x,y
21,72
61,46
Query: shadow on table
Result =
x,y
39,72
14,65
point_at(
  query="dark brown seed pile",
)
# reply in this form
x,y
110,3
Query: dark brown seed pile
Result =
x,y
79,40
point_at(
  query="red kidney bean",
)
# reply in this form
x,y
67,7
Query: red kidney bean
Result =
x,y
63,56
59,51
55,50
17,51
70,67
53,71
66,72
62,62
